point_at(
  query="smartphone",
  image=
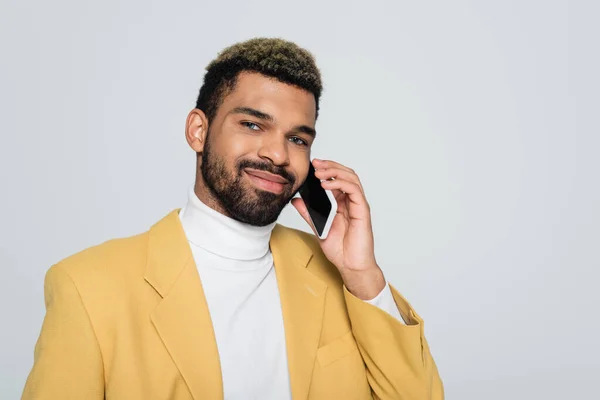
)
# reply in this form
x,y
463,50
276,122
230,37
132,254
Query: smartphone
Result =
x,y
320,203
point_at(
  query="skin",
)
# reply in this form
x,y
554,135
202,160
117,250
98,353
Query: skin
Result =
x,y
278,139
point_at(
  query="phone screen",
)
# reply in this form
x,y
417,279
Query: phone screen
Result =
x,y
316,200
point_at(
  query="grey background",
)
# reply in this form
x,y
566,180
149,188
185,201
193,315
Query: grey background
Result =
x,y
472,124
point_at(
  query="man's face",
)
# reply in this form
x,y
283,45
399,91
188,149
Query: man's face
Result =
x,y
257,149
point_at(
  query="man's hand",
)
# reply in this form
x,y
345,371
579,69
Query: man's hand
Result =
x,y
349,244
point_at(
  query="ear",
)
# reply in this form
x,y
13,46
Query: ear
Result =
x,y
196,128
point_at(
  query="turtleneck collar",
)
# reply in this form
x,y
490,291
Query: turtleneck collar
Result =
x,y
221,235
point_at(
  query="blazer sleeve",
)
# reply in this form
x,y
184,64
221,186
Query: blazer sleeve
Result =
x,y
67,359
385,301
397,357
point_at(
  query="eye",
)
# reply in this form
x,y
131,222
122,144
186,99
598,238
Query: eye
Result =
x,y
298,141
250,125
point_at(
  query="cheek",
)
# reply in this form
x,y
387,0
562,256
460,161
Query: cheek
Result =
x,y
300,167
230,146
236,145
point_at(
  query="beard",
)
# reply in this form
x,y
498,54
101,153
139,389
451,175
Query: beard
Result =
x,y
239,199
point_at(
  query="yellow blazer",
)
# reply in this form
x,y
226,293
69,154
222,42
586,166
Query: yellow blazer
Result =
x,y
128,320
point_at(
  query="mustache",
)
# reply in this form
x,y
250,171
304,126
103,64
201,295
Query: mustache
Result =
x,y
268,167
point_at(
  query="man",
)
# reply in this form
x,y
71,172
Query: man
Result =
x,y
218,301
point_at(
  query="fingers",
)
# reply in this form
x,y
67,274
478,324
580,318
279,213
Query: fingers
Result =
x,y
338,195
332,170
322,164
338,174
352,190
344,183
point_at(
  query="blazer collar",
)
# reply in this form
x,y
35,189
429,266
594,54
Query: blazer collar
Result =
x,y
182,318
168,253
302,297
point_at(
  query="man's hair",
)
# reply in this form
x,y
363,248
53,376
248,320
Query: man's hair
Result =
x,y
275,58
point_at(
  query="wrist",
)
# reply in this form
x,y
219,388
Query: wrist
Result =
x,y
364,284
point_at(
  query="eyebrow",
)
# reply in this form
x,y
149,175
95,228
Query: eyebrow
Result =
x,y
269,118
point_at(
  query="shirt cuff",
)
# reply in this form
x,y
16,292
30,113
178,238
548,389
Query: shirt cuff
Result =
x,y
385,301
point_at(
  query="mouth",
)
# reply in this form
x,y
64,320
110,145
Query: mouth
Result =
x,y
266,181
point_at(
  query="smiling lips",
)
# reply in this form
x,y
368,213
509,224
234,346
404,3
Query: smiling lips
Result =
x,y
266,180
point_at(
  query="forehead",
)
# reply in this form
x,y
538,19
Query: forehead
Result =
x,y
286,103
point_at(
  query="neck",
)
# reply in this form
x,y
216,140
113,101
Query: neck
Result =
x,y
204,194
212,230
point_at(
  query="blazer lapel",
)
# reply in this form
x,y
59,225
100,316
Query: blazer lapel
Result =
x,y
303,303
182,318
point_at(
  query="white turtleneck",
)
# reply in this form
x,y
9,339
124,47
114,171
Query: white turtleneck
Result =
x,y
236,268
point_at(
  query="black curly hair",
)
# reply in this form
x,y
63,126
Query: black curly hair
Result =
x,y
276,58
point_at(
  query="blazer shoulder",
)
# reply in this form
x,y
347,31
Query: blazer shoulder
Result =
x,y
318,264
308,239
111,257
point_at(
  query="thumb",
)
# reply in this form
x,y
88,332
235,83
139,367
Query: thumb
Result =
x,y
299,205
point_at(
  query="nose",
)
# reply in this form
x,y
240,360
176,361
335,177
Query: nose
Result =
x,y
274,149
